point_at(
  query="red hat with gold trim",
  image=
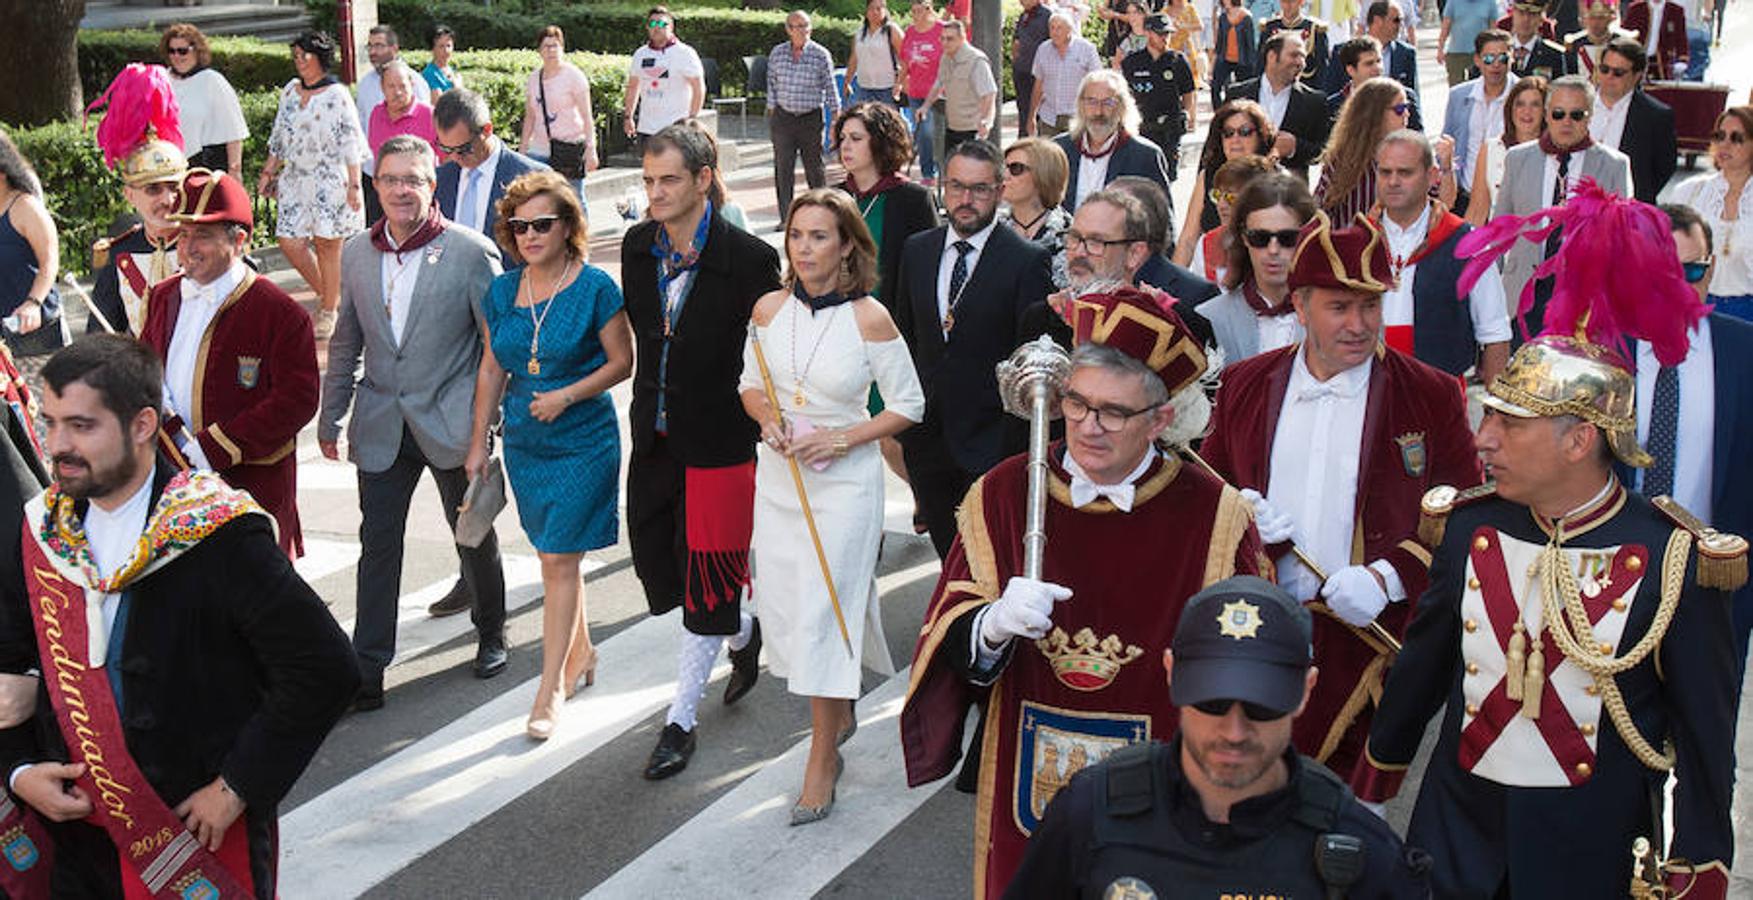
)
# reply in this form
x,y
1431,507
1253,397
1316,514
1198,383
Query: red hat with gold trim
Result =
x,y
1143,326
1354,258
209,196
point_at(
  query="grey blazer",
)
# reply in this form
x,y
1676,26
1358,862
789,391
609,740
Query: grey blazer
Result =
x,y
1233,324
428,382
1525,190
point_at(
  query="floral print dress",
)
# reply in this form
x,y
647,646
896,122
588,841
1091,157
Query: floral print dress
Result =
x,y
315,140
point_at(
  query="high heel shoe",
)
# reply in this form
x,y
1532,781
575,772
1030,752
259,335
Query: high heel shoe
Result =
x,y
587,672
541,724
804,815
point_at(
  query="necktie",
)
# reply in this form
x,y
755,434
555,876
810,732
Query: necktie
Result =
x,y
1560,192
958,278
466,206
1664,422
1521,58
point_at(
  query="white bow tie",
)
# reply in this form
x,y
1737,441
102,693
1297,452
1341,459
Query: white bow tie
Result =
x,y
1084,492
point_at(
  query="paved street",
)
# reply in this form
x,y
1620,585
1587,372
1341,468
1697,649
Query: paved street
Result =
x,y
440,794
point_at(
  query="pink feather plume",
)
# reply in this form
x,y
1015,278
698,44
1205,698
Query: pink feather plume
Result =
x,y
139,98
1615,273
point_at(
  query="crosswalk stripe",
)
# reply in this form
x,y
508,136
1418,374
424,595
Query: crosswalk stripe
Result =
x,y
374,824
324,557
741,846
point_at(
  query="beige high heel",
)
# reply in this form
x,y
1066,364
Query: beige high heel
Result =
x,y
542,722
586,671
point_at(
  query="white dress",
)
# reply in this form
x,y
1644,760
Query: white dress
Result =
x,y
1733,238
797,621
315,143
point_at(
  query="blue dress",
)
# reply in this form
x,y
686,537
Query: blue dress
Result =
x,y
565,473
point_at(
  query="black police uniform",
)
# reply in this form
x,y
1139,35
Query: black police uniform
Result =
x,y
1159,84
1132,826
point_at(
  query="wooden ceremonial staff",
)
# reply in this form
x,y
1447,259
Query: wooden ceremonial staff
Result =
x,y
1374,628
803,497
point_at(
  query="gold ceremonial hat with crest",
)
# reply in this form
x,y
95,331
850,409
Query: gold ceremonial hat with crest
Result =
x,y
1558,375
153,161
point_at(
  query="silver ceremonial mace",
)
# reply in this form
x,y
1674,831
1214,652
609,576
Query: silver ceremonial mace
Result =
x,y
1029,384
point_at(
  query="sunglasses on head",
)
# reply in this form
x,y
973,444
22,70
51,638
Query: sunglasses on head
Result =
x,y
1018,169
1492,59
1244,131
1254,711
1575,115
1259,238
1733,137
539,224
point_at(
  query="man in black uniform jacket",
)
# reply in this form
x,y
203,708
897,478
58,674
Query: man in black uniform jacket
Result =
x,y
1162,81
691,279
193,703
1226,808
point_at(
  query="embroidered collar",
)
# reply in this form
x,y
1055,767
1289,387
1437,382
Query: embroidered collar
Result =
x,y
1597,511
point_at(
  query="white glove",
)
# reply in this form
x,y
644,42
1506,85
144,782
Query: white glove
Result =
x,y
1354,595
1025,610
1380,809
1274,525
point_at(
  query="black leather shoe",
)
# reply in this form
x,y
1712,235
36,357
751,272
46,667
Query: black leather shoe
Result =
x,y
674,747
370,694
457,601
745,667
490,657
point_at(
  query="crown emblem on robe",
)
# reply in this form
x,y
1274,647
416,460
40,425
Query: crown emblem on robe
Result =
x,y
1083,663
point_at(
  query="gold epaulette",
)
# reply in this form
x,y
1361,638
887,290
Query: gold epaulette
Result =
x,y
1438,502
100,248
1722,557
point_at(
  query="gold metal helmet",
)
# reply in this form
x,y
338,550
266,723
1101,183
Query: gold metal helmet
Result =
x,y
153,161
1555,375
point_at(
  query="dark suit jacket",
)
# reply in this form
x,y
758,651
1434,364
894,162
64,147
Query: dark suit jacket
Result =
x,y
511,165
1399,62
1002,305
908,209
1649,140
707,426
1305,117
1245,42
1188,289
1136,155
231,665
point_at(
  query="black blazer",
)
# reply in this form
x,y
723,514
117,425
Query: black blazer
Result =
x,y
1305,117
1137,155
1002,305
908,210
1650,143
216,680
707,425
1399,62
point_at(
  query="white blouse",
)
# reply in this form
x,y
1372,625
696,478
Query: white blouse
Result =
x,y
1733,240
208,110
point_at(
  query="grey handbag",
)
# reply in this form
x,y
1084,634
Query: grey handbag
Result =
x,y
482,503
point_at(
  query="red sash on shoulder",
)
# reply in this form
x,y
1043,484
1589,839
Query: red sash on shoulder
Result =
x,y
150,839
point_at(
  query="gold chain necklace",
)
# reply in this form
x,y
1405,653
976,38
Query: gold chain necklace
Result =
x,y
797,375
535,366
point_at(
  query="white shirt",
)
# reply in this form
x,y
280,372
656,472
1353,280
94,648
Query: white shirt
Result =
x,y
1607,125
1485,123
476,215
208,110
1654,36
200,304
111,537
398,285
1275,102
1277,331
1695,429
665,78
370,94
1549,178
1485,303
1316,453
947,264
1732,240
1092,171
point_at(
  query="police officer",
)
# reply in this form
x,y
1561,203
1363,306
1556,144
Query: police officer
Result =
x,y
1226,808
1162,82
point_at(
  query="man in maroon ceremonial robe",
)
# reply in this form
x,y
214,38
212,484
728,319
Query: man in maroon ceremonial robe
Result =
x,y
1335,440
1066,662
240,366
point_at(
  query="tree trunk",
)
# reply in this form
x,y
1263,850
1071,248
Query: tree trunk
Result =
x,y
39,82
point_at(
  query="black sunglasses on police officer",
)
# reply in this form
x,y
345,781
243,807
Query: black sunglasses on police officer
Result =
x,y
1254,711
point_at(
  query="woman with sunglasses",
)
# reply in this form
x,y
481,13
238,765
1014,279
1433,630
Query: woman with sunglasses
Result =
x,y
558,340
1211,255
1524,120
1348,166
822,342
1254,314
1036,175
1723,199
1238,128
207,107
